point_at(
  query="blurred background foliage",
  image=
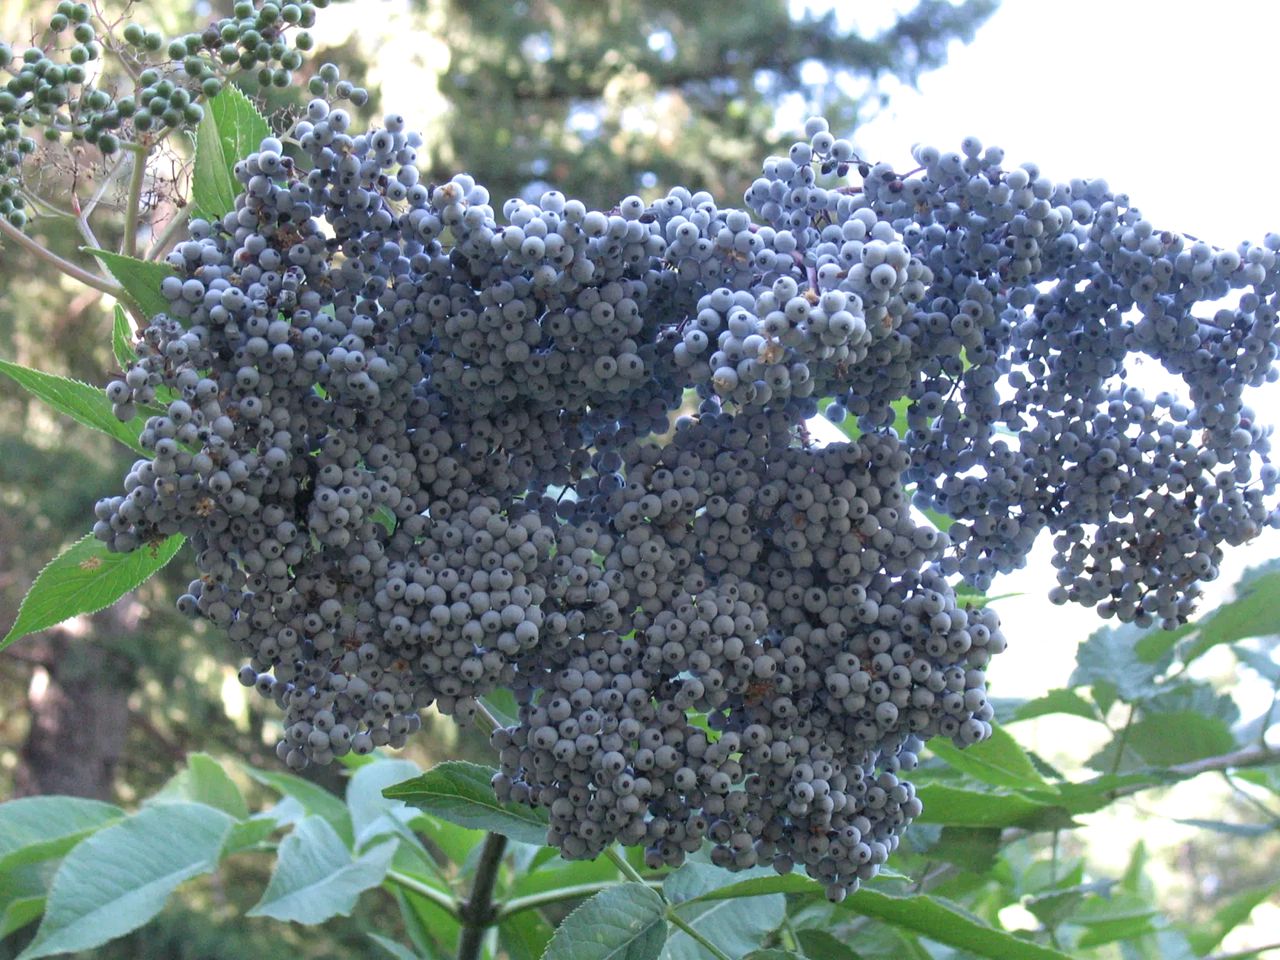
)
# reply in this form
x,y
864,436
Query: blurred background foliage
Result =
x,y
600,98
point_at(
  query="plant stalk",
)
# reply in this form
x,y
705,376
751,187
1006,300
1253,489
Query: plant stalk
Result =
x,y
129,242
477,912
57,262
560,894
438,897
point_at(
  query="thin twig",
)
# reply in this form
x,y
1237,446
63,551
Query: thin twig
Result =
x,y
57,262
129,242
439,897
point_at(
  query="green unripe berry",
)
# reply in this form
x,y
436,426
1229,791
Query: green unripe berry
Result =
x,y
243,8
264,77
229,53
193,42
18,219
65,7
142,120
126,107
291,60
94,48
149,77
108,143
58,22
32,55
154,41
282,78
329,72
164,89
26,145
193,113
177,50
343,89
316,87
269,14
211,87
52,134
8,102
291,13
172,117
80,13
179,98
194,66
134,34
359,96
308,16
75,73
304,41
83,32
6,54
79,54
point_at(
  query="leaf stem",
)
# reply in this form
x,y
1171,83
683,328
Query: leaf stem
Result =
x,y
477,912
1121,740
678,921
439,897
129,242
558,895
65,266
620,861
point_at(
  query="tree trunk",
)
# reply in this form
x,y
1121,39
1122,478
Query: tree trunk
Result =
x,y
79,709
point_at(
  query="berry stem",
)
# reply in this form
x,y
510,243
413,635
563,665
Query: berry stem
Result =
x,y
51,258
477,912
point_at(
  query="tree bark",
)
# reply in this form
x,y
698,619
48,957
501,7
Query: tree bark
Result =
x,y
78,701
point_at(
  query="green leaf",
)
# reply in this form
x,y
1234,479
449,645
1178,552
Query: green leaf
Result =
x,y
943,923
460,792
1253,613
22,894
1108,662
1119,917
231,129
525,935
761,885
313,798
372,814
315,876
122,339
204,781
80,401
986,808
1057,701
84,578
1165,739
432,929
397,950
141,279
40,828
998,760
973,848
737,925
502,704
1247,830
1229,916
626,922
249,833
120,878
819,943
773,954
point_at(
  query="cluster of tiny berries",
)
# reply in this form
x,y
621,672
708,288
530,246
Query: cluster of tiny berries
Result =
x,y
59,88
423,452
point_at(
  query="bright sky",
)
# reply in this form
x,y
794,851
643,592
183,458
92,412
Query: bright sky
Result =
x,y
1169,102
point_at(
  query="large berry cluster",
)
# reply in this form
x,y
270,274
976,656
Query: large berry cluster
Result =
x,y
423,452
60,87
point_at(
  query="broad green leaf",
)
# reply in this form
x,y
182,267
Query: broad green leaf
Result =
x,y
1108,662
393,949
525,935
1229,916
819,943
986,808
563,873
249,833
204,781
1119,917
502,704
1165,739
40,828
141,279
315,876
80,401
22,894
231,129
122,338
372,814
943,923
453,841
1254,613
626,922
120,878
973,848
459,792
1248,830
773,954
313,798
433,930
762,885
84,578
737,925
998,760
1056,701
